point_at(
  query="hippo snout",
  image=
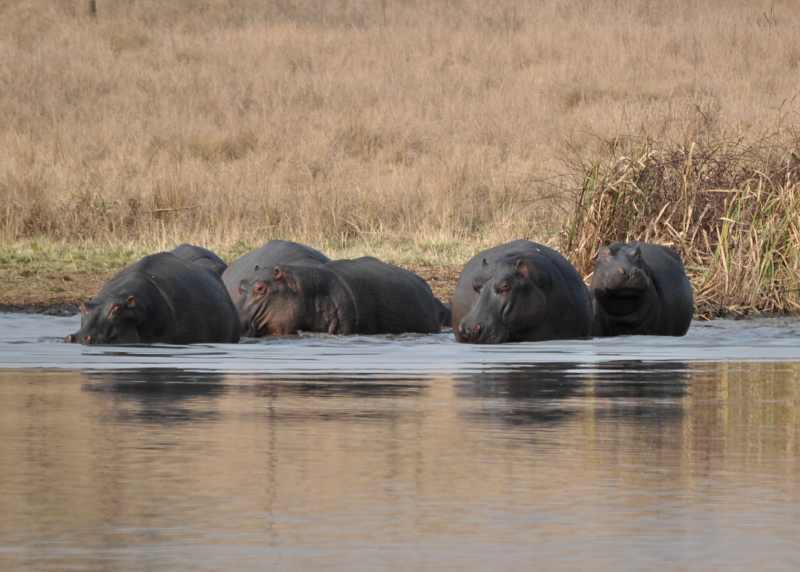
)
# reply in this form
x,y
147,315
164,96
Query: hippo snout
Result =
x,y
469,333
76,338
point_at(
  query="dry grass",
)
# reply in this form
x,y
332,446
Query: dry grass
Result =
x,y
417,129
732,210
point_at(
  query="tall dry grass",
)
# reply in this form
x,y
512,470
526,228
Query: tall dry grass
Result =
x,y
731,209
355,122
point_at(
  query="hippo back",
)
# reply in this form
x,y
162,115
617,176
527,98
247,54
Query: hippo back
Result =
x,y
270,254
184,303
674,289
201,257
569,307
388,299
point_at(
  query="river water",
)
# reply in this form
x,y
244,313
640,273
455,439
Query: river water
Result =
x,y
401,453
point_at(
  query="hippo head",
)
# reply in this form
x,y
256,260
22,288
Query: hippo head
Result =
x,y
272,303
621,280
114,321
511,301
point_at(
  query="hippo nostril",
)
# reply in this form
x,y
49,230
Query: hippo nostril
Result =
x,y
71,339
476,329
87,339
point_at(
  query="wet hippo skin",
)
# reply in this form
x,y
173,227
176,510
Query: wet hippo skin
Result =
x,y
640,288
241,271
200,256
360,296
520,291
159,299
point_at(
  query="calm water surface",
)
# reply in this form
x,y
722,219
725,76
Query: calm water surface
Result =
x,y
401,453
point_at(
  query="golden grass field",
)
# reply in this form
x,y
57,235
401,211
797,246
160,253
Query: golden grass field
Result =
x,y
417,131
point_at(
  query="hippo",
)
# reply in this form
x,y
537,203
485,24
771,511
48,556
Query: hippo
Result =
x,y
640,288
445,314
200,256
520,291
159,299
241,271
360,296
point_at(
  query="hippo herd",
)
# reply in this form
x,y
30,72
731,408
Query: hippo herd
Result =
x,y
519,291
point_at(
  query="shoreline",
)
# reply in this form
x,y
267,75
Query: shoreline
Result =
x,y
53,279
70,308
44,309
60,293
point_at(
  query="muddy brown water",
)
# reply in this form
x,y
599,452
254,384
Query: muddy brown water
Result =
x,y
401,453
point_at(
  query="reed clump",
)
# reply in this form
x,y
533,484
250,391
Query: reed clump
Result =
x,y
731,209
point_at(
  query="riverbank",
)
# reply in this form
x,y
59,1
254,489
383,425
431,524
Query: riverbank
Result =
x,y
54,278
49,277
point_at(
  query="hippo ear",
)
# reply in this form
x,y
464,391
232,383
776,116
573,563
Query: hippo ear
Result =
x,y
522,268
114,311
637,253
285,276
477,285
527,270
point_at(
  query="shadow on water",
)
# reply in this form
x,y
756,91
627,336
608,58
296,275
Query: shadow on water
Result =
x,y
171,395
566,465
522,395
158,395
321,387
338,398
552,393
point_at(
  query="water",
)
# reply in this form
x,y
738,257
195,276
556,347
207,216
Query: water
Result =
x,y
401,453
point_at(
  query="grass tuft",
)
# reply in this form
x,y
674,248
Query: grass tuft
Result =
x,y
732,210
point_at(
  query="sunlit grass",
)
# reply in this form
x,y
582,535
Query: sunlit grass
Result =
x,y
418,132
43,257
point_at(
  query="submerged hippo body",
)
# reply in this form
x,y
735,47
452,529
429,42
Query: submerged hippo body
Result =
x,y
520,291
640,288
361,296
159,299
201,257
241,271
